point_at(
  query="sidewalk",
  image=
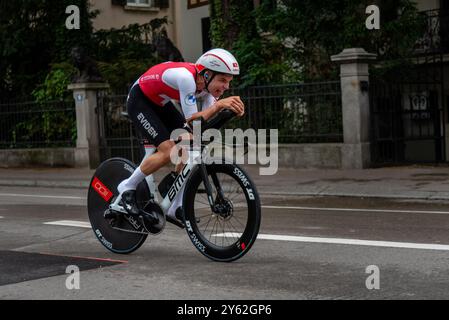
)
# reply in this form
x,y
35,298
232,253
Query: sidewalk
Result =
x,y
412,182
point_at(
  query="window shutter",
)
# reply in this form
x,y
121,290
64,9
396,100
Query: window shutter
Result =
x,y
118,2
163,4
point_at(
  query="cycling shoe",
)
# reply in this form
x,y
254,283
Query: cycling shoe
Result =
x,y
129,202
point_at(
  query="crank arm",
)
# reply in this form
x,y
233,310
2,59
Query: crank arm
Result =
x,y
115,205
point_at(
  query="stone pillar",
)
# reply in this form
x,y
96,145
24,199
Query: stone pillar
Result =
x,y
87,153
354,74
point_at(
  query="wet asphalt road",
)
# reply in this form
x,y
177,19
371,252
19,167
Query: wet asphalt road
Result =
x,y
304,252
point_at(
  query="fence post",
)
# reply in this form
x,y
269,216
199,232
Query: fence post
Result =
x,y
87,153
354,74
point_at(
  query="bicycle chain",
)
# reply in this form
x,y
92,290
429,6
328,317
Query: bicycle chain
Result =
x,y
130,231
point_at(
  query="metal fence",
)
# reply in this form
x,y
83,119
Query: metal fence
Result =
x,y
407,116
302,113
37,125
408,103
116,133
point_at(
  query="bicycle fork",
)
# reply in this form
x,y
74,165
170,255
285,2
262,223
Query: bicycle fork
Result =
x,y
214,204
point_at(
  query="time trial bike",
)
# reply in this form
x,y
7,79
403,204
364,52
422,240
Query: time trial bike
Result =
x,y
220,209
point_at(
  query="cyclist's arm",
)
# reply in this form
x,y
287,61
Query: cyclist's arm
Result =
x,y
206,114
234,104
187,89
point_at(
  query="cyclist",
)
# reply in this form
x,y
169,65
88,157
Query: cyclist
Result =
x,y
153,113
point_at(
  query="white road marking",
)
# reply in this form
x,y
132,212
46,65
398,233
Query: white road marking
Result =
x,y
39,196
70,223
357,242
267,207
1,217
354,210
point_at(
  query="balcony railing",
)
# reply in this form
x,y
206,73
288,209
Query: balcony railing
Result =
x,y
436,37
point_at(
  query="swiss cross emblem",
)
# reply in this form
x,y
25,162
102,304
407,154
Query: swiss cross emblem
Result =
x,y
236,65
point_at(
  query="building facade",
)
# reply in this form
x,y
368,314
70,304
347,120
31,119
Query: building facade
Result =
x,y
188,20
410,119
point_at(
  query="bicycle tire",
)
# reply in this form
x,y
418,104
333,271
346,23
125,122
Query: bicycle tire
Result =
x,y
240,244
102,190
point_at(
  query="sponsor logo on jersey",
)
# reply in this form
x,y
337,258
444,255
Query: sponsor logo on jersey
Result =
x,y
147,126
190,99
151,77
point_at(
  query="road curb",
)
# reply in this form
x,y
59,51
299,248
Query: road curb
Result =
x,y
355,195
319,193
45,184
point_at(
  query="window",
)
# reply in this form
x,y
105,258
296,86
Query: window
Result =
x,y
144,4
191,4
444,25
139,3
205,31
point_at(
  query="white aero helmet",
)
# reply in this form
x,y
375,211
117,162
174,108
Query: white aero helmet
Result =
x,y
218,60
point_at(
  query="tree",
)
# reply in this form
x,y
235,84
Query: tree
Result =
x,y
35,47
33,35
125,54
315,30
286,40
234,27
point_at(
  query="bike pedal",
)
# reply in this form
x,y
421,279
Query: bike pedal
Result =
x,y
109,214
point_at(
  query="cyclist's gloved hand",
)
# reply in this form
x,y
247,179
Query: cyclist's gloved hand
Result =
x,y
234,104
